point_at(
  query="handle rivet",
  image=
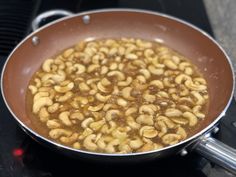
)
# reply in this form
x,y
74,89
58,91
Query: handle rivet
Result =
x,y
215,130
86,19
35,40
183,152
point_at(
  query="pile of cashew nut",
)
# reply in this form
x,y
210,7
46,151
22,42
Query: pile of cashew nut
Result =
x,y
118,96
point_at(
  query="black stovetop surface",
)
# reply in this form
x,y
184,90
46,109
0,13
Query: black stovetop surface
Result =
x,y
20,156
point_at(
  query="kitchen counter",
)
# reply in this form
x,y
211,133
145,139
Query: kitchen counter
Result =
x,y
222,15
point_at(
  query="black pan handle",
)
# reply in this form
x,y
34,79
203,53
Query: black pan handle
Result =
x,y
217,152
57,12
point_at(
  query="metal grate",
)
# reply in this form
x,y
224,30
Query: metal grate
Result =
x,y
15,19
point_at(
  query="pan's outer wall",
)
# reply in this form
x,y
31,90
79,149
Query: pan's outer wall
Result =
x,y
195,45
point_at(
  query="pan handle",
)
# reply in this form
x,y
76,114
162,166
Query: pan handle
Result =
x,y
57,12
217,152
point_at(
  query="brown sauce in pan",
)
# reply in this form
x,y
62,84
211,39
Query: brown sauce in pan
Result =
x,y
117,96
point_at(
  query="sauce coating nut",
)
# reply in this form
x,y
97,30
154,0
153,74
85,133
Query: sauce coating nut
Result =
x,y
148,132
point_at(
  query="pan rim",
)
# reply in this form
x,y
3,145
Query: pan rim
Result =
x,y
188,141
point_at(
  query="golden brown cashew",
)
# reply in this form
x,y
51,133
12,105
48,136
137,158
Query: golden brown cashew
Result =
x,y
92,68
157,83
179,120
39,95
150,109
43,114
126,93
122,102
41,102
191,118
189,84
170,64
150,147
65,97
64,89
167,83
53,108
85,124
58,132
47,65
180,131
127,82
33,89
131,56
183,65
131,122
109,106
166,120
69,140
136,143
148,132
77,115
106,130
199,98
111,146
139,63
64,117
96,108
68,52
105,82
121,135
155,71
53,123
172,112
148,97
76,145
131,110
37,82
102,88
102,98
97,125
196,111
171,138
181,78
83,87
85,133
145,119
145,73
160,125
111,114
89,142
119,75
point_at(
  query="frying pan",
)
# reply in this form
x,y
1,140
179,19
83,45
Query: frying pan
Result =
x,y
197,45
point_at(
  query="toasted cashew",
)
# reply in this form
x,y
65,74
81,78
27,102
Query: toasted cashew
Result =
x,y
97,125
181,78
199,98
148,132
171,138
65,97
85,124
40,95
58,132
183,65
83,87
53,123
96,108
180,131
160,125
179,120
77,115
105,82
76,145
41,102
70,139
150,109
64,89
47,65
102,88
170,64
155,71
121,135
148,97
191,118
169,123
64,117
122,102
92,68
131,56
119,75
130,111
126,93
131,122
85,133
110,148
172,112
136,143
149,147
167,82
43,114
146,73
104,70
105,128
189,84
145,119
102,98
33,89
111,114
196,111
89,142
53,108
157,83
127,82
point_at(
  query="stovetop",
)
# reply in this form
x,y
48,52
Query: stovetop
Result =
x,y
21,156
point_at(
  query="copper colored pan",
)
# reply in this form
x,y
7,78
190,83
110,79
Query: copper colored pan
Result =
x,y
179,35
